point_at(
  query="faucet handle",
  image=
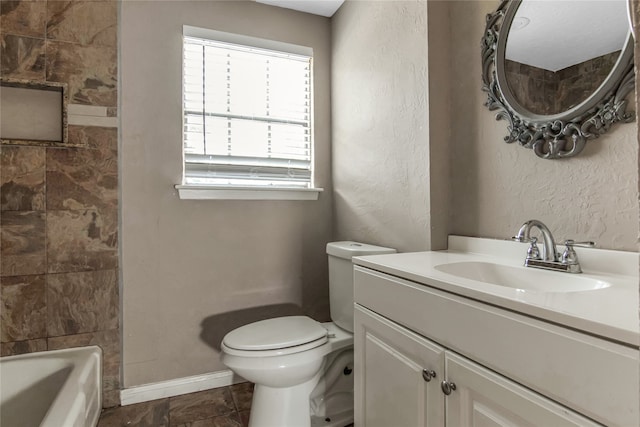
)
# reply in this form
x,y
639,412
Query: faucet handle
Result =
x,y
569,256
571,243
533,252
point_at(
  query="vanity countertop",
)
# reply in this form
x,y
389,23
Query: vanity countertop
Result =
x,y
610,312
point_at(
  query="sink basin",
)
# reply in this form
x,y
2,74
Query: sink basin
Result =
x,y
527,279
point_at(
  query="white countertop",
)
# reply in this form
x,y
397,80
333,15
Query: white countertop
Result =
x,y
610,312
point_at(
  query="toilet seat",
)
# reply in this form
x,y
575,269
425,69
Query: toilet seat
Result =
x,y
278,336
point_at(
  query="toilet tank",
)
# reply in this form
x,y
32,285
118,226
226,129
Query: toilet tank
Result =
x,y
341,278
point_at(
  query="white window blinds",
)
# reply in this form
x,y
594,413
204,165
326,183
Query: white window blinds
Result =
x,y
246,115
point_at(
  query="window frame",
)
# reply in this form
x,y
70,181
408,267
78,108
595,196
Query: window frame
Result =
x,y
191,191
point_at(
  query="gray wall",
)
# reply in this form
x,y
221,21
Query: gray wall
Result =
x,y
383,129
415,156
497,186
192,270
413,161
393,135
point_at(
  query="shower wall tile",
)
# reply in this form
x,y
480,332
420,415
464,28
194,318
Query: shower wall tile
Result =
x,y
550,95
22,58
22,176
59,206
22,244
84,178
22,347
546,92
82,302
81,240
23,314
24,18
109,342
83,22
90,71
103,138
535,92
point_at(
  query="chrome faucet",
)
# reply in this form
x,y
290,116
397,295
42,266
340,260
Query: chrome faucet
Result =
x,y
550,258
549,249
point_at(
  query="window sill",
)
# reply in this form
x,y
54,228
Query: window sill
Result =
x,y
208,192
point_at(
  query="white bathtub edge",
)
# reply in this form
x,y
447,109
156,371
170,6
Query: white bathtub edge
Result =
x,y
178,386
67,401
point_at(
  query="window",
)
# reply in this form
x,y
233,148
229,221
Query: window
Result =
x,y
247,112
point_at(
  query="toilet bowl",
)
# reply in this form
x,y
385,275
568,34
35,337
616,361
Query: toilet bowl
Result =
x,y
286,376
302,369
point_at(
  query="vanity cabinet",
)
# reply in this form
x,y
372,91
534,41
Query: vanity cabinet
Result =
x,y
507,369
402,377
484,398
398,375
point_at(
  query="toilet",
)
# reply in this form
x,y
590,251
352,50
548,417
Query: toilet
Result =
x,y
303,369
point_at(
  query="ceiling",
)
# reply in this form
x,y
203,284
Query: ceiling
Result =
x,y
557,34
317,7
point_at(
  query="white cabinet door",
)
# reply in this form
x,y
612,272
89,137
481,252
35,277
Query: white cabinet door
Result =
x,y
390,387
483,398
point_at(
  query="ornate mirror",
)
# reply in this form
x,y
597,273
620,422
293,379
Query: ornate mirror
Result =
x,y
558,71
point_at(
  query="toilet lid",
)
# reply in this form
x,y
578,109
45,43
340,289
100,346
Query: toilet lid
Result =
x,y
271,334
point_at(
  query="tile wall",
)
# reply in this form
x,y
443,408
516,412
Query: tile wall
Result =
x,y
548,92
59,206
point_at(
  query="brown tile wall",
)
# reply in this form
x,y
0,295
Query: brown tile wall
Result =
x,y
59,206
547,92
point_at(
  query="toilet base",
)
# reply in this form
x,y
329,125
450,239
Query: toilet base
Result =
x,y
324,401
327,394
282,407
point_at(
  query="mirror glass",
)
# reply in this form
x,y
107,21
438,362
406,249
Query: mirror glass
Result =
x,y
559,52
558,71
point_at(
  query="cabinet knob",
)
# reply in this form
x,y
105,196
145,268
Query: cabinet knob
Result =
x,y
447,387
428,374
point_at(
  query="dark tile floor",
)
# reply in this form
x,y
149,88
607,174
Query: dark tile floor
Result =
x,y
220,407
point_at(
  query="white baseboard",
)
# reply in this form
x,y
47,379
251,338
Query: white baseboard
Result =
x,y
178,386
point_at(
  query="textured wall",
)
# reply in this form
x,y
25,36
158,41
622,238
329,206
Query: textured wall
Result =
x,y
193,270
440,121
380,124
58,206
635,17
496,186
390,150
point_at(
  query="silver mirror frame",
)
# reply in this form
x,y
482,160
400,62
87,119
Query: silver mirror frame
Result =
x,y
560,135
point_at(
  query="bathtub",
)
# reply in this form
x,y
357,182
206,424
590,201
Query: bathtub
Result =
x,y
60,388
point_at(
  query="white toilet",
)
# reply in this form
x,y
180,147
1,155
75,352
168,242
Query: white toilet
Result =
x,y
302,369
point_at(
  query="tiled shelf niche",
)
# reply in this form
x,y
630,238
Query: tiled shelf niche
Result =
x,y
33,113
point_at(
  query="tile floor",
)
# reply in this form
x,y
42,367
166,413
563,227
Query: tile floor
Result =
x,y
220,407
